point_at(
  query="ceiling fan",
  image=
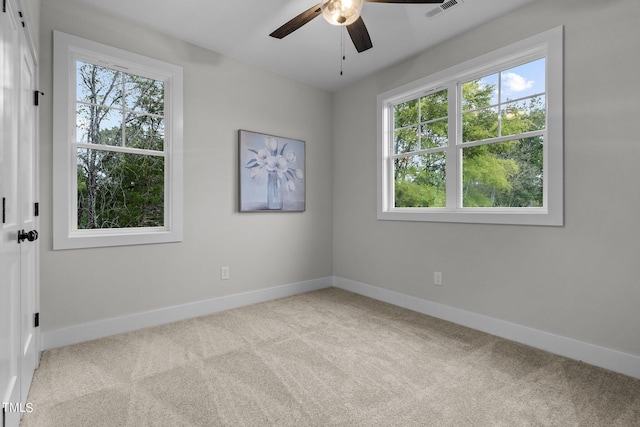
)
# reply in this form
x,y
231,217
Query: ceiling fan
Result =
x,y
345,13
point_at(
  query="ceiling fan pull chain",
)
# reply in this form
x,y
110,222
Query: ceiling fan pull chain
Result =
x,y
342,55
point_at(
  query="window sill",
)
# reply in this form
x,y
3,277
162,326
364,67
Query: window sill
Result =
x,y
104,238
526,216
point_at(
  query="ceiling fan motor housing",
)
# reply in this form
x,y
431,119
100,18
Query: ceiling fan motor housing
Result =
x,y
345,13
341,12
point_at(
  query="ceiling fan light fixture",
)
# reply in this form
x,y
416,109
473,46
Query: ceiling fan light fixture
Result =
x,y
341,12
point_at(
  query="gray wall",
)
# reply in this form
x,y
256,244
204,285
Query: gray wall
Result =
x,y
263,250
581,280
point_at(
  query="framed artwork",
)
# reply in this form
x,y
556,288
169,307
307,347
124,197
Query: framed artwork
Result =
x,y
272,173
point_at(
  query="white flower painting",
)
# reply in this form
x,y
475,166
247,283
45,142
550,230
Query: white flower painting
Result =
x,y
272,175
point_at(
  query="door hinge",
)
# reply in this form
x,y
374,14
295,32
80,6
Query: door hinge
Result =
x,y
36,97
4,210
36,320
36,209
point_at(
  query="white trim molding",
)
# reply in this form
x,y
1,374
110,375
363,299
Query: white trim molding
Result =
x,y
68,52
547,45
117,325
623,363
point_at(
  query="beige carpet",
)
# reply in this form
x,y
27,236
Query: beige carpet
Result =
x,y
327,358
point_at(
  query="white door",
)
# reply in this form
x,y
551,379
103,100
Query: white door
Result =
x,y
27,185
18,261
10,248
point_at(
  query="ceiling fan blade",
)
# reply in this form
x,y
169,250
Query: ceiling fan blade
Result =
x,y
406,1
297,22
360,35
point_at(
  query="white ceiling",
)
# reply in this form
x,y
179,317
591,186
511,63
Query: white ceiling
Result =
x,y
240,29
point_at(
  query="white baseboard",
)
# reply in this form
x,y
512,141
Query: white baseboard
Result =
x,y
103,328
603,357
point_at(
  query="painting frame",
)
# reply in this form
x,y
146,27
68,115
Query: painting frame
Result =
x,y
272,173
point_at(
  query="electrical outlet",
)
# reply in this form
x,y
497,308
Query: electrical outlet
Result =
x,y
437,278
224,273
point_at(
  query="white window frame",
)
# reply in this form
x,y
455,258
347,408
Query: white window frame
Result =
x,y
549,45
67,49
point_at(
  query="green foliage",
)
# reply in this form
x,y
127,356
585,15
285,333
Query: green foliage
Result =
x,y
475,95
501,174
420,181
434,106
117,189
127,190
410,194
486,173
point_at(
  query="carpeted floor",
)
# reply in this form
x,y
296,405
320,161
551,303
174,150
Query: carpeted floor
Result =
x,y
327,358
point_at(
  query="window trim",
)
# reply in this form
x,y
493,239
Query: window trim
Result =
x,y
67,49
548,44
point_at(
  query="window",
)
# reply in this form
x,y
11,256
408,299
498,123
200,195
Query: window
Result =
x,y
480,142
117,147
